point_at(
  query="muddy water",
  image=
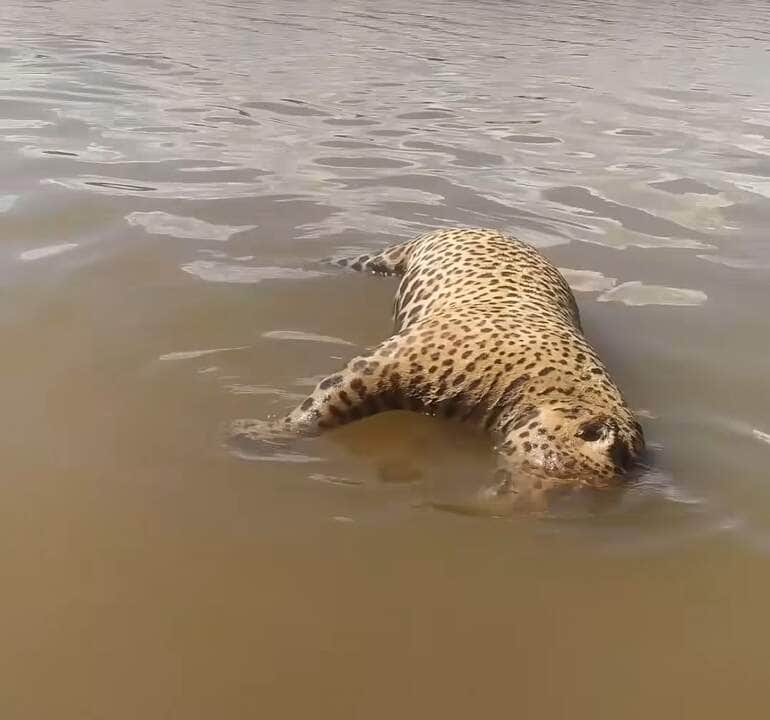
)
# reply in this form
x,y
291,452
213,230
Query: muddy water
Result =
x,y
170,174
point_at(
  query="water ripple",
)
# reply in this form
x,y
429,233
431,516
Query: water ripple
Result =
x,y
620,137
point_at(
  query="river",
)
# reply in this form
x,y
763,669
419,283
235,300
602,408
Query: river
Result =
x,y
171,173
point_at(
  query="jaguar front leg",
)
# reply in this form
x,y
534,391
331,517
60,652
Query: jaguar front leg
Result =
x,y
366,386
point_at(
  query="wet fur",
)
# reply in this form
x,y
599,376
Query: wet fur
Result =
x,y
487,331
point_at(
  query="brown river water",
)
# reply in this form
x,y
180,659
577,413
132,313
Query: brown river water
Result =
x,y
171,173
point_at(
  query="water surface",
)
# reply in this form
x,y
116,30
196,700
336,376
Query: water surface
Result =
x,y
170,175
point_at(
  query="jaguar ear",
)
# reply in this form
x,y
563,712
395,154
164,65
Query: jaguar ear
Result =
x,y
595,429
620,455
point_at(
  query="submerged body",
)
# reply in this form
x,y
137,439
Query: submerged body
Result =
x,y
487,331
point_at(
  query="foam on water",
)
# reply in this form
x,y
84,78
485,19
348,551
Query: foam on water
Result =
x,y
163,223
638,294
47,251
193,354
218,272
300,335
